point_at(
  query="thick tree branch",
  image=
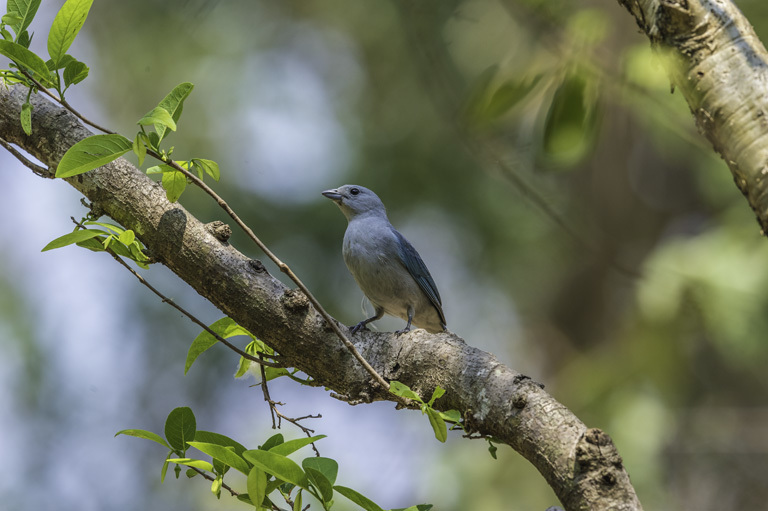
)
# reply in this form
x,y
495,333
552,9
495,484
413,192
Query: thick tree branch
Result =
x,y
580,464
721,68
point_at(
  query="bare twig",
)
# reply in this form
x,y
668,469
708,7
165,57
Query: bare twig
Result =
x,y
192,318
37,169
280,417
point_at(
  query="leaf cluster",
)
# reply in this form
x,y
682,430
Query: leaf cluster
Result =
x,y
269,473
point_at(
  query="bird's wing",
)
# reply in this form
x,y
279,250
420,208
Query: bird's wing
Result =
x,y
418,270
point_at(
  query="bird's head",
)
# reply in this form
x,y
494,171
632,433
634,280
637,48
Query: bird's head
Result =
x,y
355,200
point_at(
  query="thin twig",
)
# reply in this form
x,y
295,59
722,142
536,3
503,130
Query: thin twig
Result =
x,y
37,169
66,105
192,318
280,417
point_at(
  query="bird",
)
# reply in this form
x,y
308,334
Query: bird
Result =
x,y
386,267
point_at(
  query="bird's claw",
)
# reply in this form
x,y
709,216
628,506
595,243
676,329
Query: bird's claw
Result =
x,y
353,329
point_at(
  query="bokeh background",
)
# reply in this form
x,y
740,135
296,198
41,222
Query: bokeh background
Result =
x,y
576,223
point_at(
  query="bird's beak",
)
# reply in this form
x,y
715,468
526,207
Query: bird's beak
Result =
x,y
334,195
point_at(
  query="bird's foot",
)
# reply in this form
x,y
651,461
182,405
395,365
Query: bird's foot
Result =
x,y
353,329
403,330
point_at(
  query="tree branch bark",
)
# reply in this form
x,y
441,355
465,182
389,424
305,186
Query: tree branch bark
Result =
x,y
580,464
721,68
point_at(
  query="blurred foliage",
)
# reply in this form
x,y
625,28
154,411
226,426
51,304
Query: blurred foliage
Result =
x,y
636,293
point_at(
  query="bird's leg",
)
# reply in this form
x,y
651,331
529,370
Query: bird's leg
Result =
x,y
361,325
408,325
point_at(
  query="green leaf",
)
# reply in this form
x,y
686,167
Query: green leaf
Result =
x,y
297,501
189,462
164,470
279,466
223,454
75,72
322,474
127,237
66,25
326,466
147,435
437,394
210,167
320,482
508,95
73,237
291,446
91,153
174,184
158,116
22,12
418,507
217,438
257,486
160,169
272,441
225,327
216,486
438,424
139,148
26,59
358,499
92,244
492,449
571,122
114,228
451,416
26,118
180,427
402,390
173,103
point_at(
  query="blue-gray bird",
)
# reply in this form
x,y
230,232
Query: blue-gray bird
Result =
x,y
384,264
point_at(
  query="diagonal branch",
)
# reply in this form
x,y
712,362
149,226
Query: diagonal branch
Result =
x,y
580,464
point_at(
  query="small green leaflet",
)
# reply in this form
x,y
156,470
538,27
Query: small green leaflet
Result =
x,y
403,390
147,435
26,118
189,462
174,184
66,25
26,59
438,424
180,428
158,116
73,237
74,72
225,327
22,12
358,499
257,486
173,103
291,446
139,148
279,466
222,454
91,153
210,167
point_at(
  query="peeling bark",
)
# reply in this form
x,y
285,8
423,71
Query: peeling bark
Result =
x,y
580,464
721,68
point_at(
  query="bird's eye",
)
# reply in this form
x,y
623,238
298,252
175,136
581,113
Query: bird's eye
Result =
x,y
355,191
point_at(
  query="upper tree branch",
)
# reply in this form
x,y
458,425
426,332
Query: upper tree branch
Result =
x,y
580,464
721,67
